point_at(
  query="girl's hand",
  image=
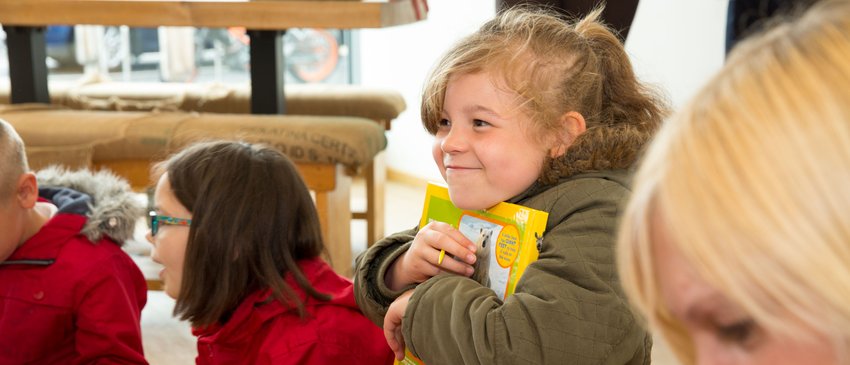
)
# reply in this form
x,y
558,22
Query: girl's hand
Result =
x,y
421,261
392,324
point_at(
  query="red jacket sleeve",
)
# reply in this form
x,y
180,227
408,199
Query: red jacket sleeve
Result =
x,y
110,302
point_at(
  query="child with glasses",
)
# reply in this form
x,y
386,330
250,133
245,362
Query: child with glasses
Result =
x,y
542,112
68,293
239,238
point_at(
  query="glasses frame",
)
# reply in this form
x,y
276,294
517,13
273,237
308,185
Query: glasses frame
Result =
x,y
157,219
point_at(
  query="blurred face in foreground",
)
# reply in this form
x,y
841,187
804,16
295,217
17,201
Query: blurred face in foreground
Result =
x,y
722,332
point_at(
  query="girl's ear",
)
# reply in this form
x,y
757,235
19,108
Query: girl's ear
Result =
x,y
572,125
26,192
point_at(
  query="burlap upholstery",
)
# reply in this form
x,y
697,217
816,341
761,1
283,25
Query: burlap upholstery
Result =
x,y
105,136
380,105
321,99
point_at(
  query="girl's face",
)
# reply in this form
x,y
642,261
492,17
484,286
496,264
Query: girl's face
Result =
x,y
720,330
169,244
482,147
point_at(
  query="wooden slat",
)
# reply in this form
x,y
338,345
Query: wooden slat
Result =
x,y
136,172
318,177
376,177
254,14
334,208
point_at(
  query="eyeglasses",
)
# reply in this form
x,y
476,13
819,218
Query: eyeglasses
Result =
x,y
156,220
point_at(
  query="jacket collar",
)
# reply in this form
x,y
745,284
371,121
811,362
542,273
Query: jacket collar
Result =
x,y
43,248
622,177
260,307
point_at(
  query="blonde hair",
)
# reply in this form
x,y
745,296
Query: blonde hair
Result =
x,y
556,66
13,159
750,184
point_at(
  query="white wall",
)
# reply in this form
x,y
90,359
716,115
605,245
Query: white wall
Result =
x,y
678,44
400,58
675,44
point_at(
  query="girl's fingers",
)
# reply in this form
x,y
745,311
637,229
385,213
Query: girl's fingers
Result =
x,y
452,265
392,341
399,351
442,236
433,265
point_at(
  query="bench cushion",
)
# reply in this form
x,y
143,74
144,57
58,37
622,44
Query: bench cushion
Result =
x,y
308,99
97,136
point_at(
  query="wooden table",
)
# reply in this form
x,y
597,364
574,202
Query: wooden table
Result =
x,y
266,20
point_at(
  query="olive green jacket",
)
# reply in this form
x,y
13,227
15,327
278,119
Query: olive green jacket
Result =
x,y
568,308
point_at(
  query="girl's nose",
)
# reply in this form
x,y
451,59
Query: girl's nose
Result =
x,y
453,141
149,237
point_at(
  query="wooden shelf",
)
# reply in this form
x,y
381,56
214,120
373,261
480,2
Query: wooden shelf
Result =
x,y
252,14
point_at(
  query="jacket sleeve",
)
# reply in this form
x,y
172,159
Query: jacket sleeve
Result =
x,y
567,308
108,328
371,293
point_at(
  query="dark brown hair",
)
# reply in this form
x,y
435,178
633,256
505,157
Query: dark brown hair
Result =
x,y
252,219
555,66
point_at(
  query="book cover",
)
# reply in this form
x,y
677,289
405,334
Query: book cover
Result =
x,y
507,236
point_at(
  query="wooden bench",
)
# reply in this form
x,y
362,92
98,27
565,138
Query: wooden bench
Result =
x,y
379,105
324,148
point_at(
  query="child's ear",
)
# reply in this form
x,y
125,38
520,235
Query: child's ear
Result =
x,y
572,125
26,192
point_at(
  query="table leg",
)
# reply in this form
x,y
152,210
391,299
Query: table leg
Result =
x,y
27,67
267,72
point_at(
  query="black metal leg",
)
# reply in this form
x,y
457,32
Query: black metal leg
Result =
x,y
267,67
27,66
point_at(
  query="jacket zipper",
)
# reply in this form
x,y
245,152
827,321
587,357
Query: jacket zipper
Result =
x,y
35,262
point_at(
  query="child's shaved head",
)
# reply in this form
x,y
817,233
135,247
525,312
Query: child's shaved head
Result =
x,y
13,160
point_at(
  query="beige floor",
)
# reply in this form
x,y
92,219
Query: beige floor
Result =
x,y
168,341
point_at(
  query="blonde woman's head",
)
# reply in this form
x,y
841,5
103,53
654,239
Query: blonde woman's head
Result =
x,y
737,234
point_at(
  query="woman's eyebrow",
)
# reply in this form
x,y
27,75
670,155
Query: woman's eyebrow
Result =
x,y
706,305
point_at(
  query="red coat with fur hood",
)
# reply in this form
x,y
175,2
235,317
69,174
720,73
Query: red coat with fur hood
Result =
x,y
70,294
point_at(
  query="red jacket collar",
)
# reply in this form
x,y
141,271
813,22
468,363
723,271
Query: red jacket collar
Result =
x,y
256,309
49,240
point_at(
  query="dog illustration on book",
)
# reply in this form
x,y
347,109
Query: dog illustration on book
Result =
x,y
482,262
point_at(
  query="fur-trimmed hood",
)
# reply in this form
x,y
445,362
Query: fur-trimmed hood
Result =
x,y
600,148
112,208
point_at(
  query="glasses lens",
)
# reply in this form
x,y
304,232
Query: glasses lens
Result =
x,y
153,222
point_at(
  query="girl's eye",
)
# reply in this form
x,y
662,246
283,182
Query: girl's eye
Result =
x,y
741,333
480,123
444,123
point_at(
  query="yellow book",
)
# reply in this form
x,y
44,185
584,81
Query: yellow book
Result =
x,y
507,236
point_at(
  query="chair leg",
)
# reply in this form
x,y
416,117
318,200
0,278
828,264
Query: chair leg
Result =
x,y
376,177
334,208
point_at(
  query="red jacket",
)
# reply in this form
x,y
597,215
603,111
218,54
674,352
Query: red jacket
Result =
x,y
334,332
66,300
